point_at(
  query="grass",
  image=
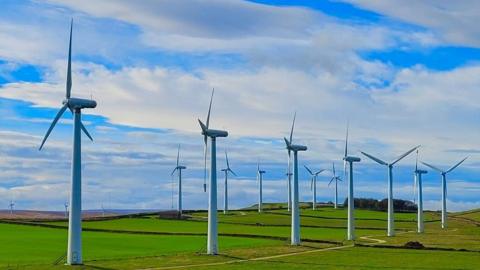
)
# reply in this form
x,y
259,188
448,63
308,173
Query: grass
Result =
x,y
141,245
27,244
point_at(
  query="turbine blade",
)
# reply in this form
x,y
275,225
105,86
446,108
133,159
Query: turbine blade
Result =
x,y
456,165
178,154
232,171
174,171
210,108
86,131
432,167
331,180
374,158
333,169
69,67
346,141
319,172
311,173
416,162
55,120
293,126
311,184
405,154
415,187
226,158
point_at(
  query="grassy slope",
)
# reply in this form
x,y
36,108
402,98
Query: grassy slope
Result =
x,y
181,250
45,245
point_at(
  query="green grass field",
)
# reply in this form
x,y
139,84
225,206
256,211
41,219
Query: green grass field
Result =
x,y
248,240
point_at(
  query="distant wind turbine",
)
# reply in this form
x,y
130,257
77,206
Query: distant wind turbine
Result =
x,y
418,181
313,185
226,171
295,148
260,187
351,205
336,179
391,228
12,204
66,209
179,168
75,105
212,234
444,188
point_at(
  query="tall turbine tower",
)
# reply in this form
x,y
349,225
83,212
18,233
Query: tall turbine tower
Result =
x,y
226,171
418,180
313,185
336,179
75,105
391,228
212,234
444,188
351,206
260,187
179,168
295,209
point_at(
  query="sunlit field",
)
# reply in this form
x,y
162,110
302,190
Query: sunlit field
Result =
x,y
248,239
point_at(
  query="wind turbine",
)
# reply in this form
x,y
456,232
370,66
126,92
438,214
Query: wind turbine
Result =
x,y
212,234
390,228
75,105
418,180
12,204
66,209
313,185
260,187
179,168
289,171
295,148
351,206
226,171
444,188
336,179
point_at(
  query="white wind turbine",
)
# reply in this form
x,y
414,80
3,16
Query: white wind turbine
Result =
x,y
390,228
260,187
418,181
295,148
11,204
212,233
226,171
179,168
444,188
336,179
75,105
66,209
351,200
313,185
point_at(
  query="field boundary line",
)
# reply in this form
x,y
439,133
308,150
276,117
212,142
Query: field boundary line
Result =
x,y
248,260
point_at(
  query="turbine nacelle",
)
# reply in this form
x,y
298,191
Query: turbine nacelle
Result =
x,y
421,172
212,133
180,167
352,159
79,103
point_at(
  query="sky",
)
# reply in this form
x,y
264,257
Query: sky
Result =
x,y
401,75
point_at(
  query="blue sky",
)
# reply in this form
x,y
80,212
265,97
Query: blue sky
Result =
x,y
402,75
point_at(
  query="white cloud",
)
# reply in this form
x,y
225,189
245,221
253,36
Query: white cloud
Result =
x,y
454,22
